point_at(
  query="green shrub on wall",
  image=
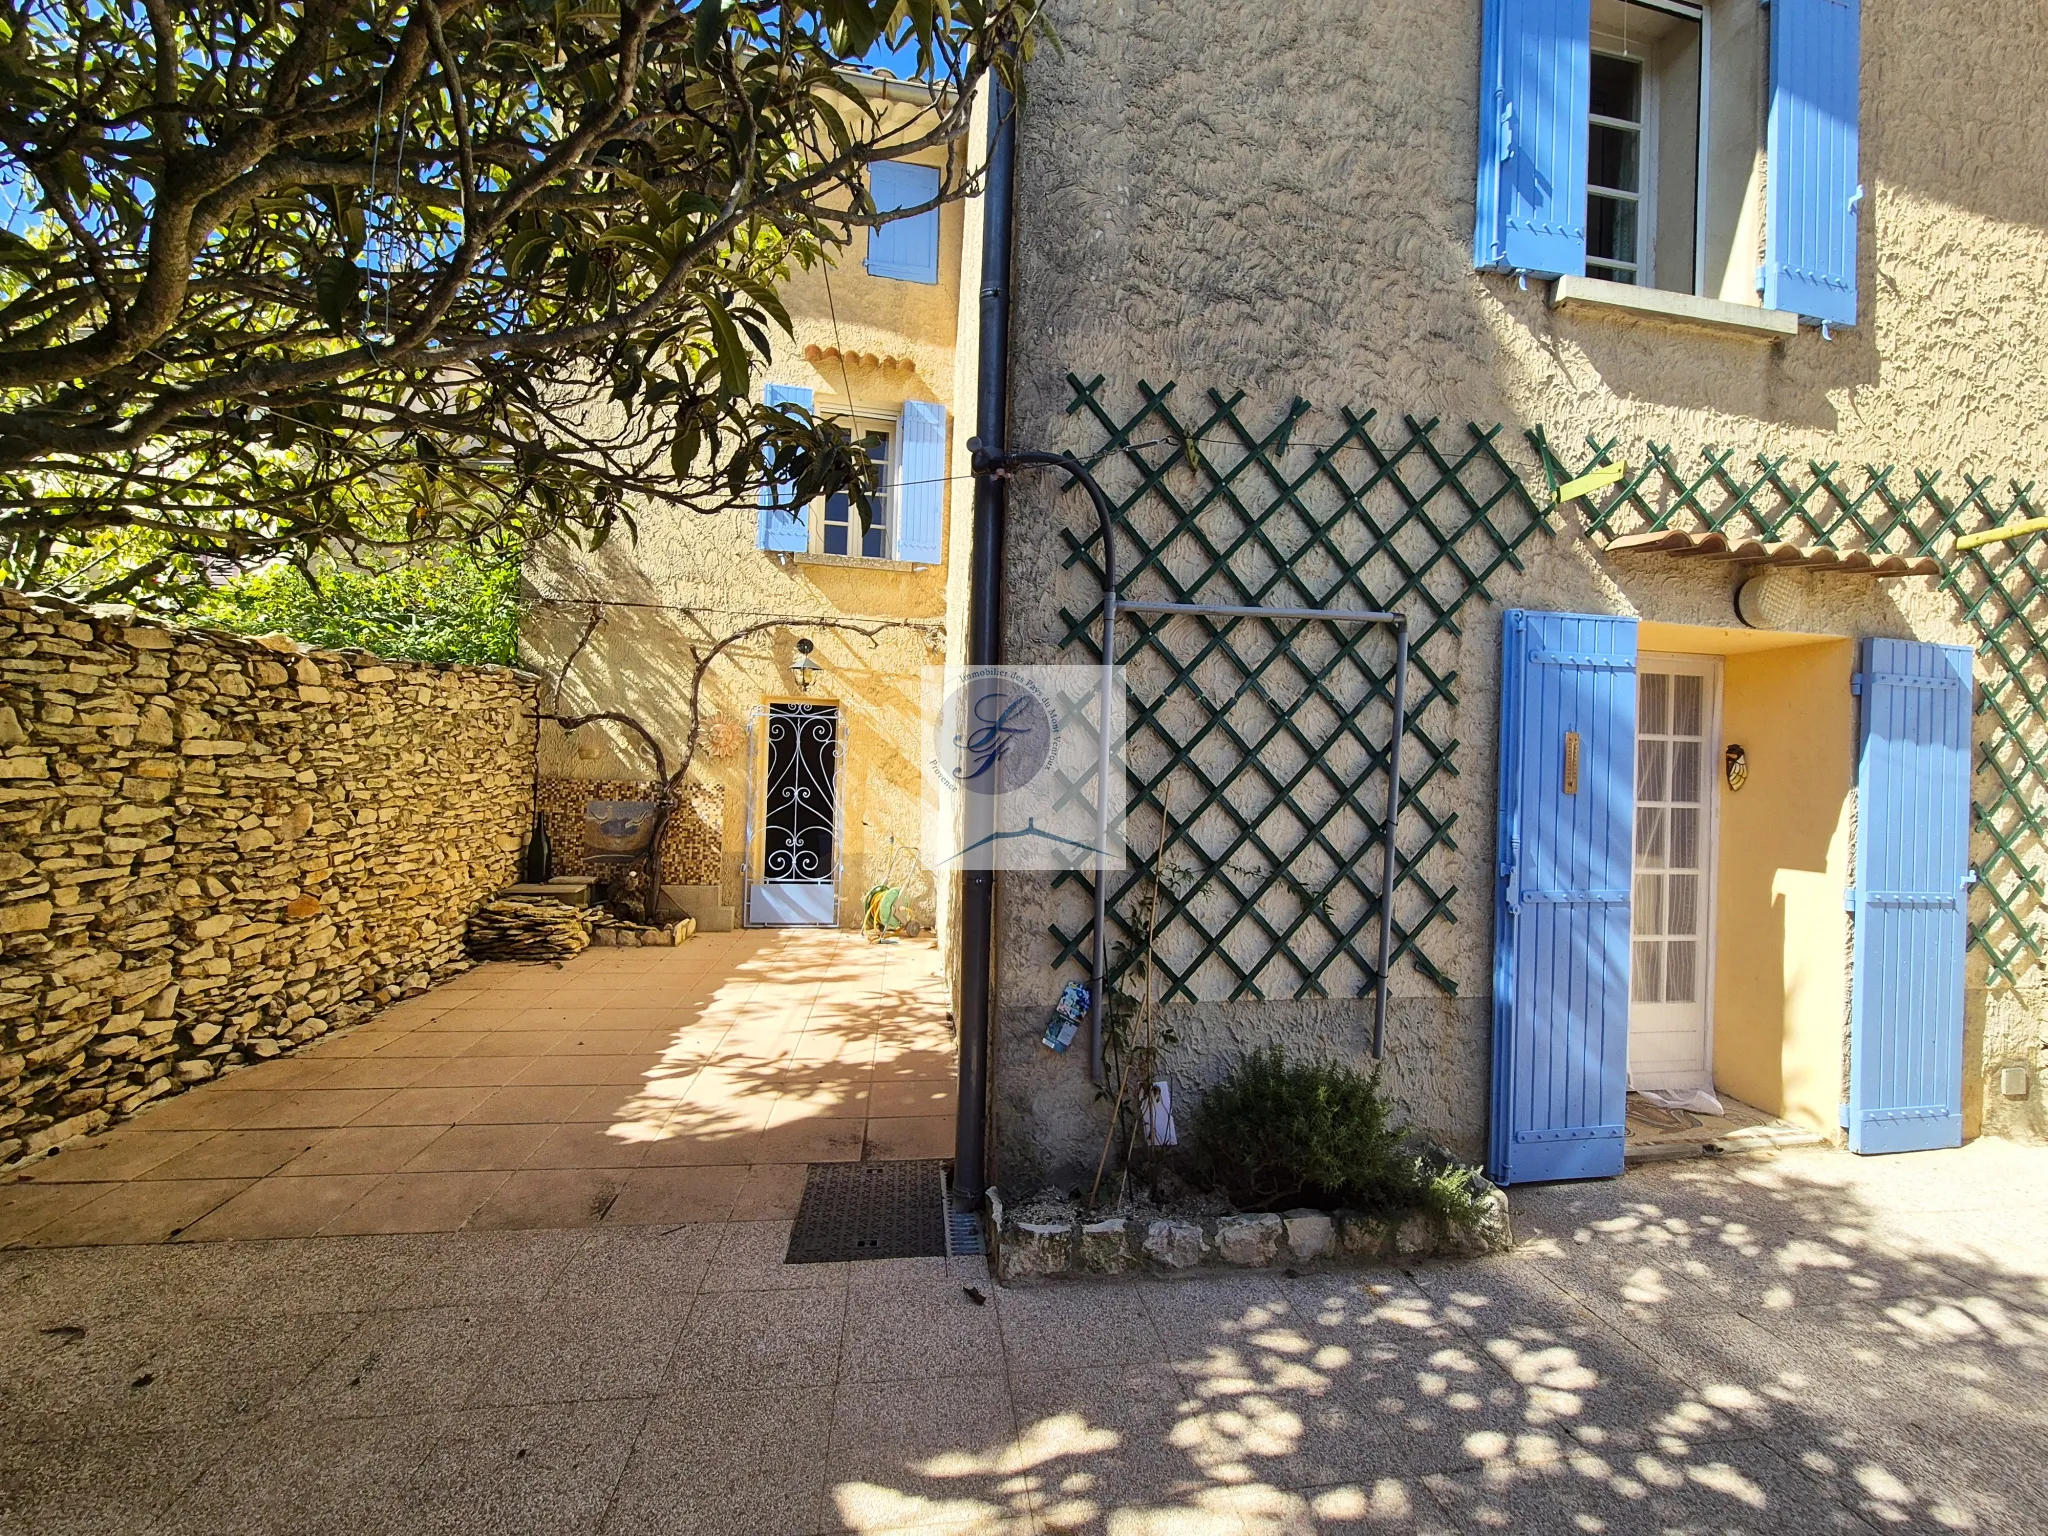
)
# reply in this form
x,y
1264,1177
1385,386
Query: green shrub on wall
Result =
x,y
1277,1133
456,607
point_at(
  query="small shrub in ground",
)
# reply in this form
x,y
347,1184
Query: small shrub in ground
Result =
x,y
1277,1133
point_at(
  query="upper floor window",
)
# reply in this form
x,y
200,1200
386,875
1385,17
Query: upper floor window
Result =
x,y
1643,144
908,248
1619,140
842,530
906,518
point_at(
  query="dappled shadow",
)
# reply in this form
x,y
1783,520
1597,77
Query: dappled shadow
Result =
x,y
1739,1346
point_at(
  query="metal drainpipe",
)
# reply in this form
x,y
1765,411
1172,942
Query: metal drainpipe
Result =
x,y
984,633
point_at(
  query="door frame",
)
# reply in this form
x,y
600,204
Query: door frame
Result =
x,y
1710,843
757,806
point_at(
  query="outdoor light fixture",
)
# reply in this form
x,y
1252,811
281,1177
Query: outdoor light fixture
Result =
x,y
803,669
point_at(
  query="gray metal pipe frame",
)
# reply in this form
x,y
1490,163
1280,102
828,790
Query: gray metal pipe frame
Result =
x,y
999,465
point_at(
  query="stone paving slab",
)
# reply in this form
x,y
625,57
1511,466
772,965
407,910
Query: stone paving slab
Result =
x,y
1761,1345
624,1087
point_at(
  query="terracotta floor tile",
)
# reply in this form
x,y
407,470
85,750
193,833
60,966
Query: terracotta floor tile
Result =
x,y
700,1145
361,1149
551,1197
659,1196
293,1072
529,1104
479,1148
426,1106
641,1104
589,1071
598,1042
824,1101
273,1208
916,1066
125,1152
917,1136
378,1072
474,1071
919,1096
770,1192
236,1155
438,1043
549,1016
209,1108
811,1141
418,1202
591,1146
318,1107
522,1043
27,1208
140,1212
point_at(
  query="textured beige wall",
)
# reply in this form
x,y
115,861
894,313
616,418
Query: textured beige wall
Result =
x,y
1279,199
687,584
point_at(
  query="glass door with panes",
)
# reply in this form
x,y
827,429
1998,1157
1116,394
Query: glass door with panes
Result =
x,y
1671,961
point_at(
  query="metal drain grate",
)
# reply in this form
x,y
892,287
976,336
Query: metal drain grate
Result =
x,y
870,1211
963,1233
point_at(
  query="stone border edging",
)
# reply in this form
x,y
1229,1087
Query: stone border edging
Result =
x,y
1027,1251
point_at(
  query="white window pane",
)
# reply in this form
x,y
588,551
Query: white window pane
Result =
x,y
1687,695
1653,694
1650,837
1685,838
1648,978
1679,970
1650,761
1682,915
1685,771
1647,909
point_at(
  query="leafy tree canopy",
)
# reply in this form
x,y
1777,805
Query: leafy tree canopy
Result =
x,y
285,278
451,605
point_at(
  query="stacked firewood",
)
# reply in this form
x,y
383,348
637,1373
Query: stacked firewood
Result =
x,y
509,929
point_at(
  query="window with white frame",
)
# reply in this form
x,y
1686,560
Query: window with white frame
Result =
x,y
1706,147
1643,143
843,528
906,516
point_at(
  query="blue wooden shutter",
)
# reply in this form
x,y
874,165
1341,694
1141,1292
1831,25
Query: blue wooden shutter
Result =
x,y
1911,898
1535,89
907,248
783,526
921,482
1812,191
1561,909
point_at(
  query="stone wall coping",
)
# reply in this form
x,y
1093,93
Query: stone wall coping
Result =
x,y
1079,1244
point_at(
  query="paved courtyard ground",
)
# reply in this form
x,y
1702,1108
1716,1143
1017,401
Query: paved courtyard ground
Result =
x,y
1804,1342
626,1086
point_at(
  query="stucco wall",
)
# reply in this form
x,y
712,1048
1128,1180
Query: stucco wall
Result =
x,y
687,585
1279,200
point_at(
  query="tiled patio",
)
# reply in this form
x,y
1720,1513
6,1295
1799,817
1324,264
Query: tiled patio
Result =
x,y
1811,1343
625,1087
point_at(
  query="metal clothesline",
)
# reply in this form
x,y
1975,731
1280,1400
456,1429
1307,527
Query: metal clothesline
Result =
x,y
1114,603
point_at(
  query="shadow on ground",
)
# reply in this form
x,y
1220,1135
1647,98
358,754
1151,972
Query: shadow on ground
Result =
x,y
1808,1343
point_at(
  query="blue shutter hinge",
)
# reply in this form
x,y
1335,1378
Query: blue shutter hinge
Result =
x,y
1969,877
1856,198
1848,898
1856,684
1844,1117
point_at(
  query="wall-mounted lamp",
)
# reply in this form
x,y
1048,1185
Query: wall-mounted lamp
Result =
x,y
803,669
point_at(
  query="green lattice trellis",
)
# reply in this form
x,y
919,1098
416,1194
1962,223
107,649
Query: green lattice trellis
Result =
x,y
2001,588
1273,734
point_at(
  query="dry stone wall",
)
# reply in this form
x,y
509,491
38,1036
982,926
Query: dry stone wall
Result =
x,y
213,849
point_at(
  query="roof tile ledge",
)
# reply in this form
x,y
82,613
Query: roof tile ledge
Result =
x,y
1718,546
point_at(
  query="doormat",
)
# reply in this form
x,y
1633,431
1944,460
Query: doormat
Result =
x,y
870,1211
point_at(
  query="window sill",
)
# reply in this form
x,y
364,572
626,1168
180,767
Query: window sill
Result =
x,y
1680,308
861,562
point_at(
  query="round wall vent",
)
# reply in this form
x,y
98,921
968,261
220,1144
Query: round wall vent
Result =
x,y
1768,600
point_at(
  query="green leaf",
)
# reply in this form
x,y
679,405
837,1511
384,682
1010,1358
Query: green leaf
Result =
x,y
734,367
336,283
710,26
